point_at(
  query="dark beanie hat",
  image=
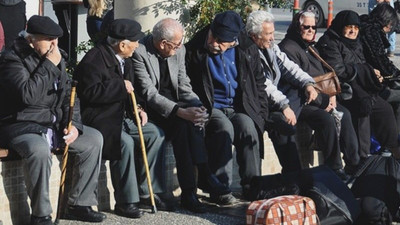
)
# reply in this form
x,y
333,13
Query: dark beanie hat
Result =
x,y
125,29
344,18
226,26
45,26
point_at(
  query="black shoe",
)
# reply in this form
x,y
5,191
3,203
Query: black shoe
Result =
x,y
44,220
351,169
190,202
129,210
342,175
161,204
213,186
84,213
227,199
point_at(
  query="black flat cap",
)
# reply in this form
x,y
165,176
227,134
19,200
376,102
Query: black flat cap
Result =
x,y
125,29
45,26
226,26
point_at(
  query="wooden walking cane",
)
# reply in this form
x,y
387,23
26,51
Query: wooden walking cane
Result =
x,y
65,153
144,154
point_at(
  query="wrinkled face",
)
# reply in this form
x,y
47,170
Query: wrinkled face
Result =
x,y
127,48
42,44
308,29
351,31
215,46
266,38
168,48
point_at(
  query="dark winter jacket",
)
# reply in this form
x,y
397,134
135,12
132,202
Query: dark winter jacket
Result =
x,y
103,95
297,50
349,63
250,98
34,94
12,16
375,42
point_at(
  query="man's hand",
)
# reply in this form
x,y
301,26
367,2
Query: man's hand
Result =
x,y
71,136
143,117
311,93
53,54
196,115
290,116
128,86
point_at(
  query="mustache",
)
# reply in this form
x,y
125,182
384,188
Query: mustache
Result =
x,y
214,49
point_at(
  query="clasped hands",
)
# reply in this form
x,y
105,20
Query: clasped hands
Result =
x,y
197,115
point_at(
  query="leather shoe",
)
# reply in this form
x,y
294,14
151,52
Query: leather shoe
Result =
x,y
129,210
342,175
213,186
84,213
161,204
190,202
44,220
227,199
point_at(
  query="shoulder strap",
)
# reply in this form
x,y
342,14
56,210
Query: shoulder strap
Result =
x,y
320,59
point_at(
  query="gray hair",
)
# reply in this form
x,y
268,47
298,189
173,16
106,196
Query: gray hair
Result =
x,y
27,35
307,14
114,42
166,29
255,21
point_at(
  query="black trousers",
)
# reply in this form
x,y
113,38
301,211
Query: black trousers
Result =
x,y
286,150
227,127
381,123
328,139
189,148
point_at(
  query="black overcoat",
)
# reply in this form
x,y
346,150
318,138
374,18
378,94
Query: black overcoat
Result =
x,y
103,95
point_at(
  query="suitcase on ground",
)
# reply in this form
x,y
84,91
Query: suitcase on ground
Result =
x,y
287,209
379,178
335,203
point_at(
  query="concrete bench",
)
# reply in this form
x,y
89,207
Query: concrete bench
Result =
x,y
14,202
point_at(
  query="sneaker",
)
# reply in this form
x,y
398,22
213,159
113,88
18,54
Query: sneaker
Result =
x,y
390,54
227,199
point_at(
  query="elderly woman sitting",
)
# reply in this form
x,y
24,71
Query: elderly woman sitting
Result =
x,y
298,46
340,47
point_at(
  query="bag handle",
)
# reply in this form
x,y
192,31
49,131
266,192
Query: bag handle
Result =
x,y
320,59
306,207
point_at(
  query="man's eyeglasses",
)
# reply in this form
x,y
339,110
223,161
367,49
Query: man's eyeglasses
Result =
x,y
355,27
306,27
174,45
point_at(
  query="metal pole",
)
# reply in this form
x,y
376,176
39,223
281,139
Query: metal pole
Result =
x,y
330,13
296,7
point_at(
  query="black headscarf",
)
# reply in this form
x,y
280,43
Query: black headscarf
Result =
x,y
342,19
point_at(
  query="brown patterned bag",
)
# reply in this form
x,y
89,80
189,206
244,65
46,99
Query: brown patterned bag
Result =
x,y
287,209
327,83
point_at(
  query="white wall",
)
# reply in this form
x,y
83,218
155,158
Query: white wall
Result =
x,y
32,8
